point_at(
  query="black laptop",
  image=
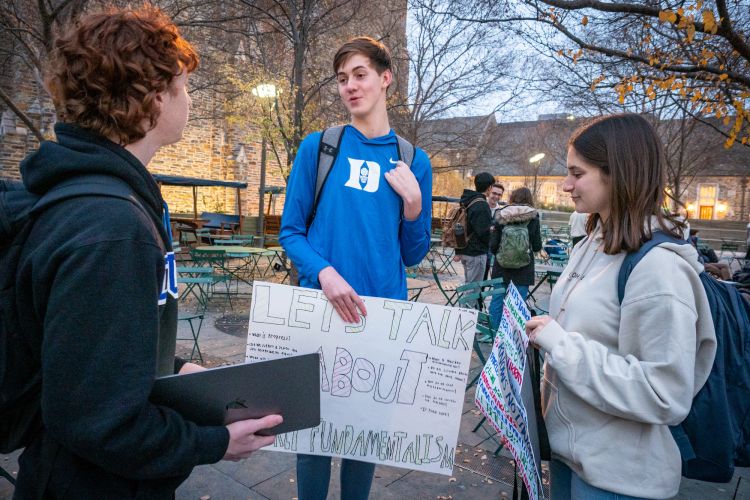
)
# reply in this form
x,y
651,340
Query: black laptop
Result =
x,y
289,387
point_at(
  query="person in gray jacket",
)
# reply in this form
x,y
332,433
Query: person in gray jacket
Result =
x,y
617,375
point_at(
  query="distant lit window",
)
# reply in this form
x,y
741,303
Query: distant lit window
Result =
x,y
707,194
548,193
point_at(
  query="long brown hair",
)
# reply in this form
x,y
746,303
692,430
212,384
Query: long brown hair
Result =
x,y
630,155
521,196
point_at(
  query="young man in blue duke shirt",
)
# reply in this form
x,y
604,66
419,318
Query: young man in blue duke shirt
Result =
x,y
373,219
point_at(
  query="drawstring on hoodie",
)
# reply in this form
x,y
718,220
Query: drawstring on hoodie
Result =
x,y
167,223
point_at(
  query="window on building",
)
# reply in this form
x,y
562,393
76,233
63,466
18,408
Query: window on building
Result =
x,y
548,193
511,186
707,196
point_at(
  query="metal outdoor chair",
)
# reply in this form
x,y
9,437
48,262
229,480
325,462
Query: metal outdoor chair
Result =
x,y
220,274
195,331
728,246
238,240
556,260
197,282
203,237
483,328
442,258
731,248
448,292
281,264
485,332
476,293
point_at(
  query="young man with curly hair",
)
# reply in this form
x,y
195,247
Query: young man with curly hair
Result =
x,y
373,218
93,282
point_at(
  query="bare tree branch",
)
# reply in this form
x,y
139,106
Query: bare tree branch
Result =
x,y
20,114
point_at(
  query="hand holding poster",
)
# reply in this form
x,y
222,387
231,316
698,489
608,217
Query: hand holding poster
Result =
x,y
498,393
392,386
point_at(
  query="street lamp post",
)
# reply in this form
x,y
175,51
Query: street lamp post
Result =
x,y
536,159
262,188
263,91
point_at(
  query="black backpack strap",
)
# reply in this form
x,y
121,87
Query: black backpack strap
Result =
x,y
95,185
328,150
101,185
632,259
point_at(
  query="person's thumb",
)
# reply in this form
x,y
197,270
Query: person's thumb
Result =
x,y
254,425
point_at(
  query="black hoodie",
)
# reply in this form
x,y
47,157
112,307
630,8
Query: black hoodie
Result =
x,y
479,220
88,287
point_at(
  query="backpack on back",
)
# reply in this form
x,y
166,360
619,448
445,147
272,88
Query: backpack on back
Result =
x,y
514,251
20,365
715,436
455,226
328,150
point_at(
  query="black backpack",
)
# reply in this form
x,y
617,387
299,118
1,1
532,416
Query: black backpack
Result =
x,y
328,150
20,365
715,436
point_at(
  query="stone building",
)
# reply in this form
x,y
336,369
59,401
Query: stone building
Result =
x,y
712,180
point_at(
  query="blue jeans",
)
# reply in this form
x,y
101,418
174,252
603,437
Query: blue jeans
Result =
x,y
566,485
314,474
496,304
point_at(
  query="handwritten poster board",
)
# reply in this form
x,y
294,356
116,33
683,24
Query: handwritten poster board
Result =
x,y
392,386
498,393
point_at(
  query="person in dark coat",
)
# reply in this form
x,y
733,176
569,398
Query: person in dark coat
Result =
x,y
519,210
95,297
478,221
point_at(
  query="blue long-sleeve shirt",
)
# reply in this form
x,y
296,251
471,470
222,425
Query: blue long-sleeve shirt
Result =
x,y
359,227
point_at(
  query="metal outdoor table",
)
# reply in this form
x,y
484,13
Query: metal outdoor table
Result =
x,y
442,261
250,256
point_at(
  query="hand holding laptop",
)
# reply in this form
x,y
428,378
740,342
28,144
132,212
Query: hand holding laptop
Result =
x,y
243,440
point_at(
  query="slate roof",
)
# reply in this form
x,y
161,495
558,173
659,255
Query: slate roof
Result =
x,y
504,149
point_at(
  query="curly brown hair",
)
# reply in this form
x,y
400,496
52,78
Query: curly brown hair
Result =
x,y
105,72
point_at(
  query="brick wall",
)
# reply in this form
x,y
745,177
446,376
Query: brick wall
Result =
x,y
210,149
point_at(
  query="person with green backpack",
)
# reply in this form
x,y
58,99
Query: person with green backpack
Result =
x,y
516,235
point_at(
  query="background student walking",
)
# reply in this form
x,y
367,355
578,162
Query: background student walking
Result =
x,y
473,256
495,201
514,257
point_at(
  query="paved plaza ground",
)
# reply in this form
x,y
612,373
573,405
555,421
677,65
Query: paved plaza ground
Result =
x,y
478,473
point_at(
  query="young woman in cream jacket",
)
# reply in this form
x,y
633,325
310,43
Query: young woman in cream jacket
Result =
x,y
616,376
